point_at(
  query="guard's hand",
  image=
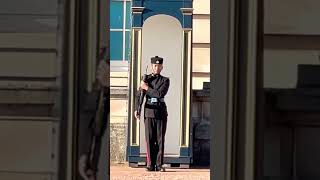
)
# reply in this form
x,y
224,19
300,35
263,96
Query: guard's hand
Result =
x,y
136,115
144,85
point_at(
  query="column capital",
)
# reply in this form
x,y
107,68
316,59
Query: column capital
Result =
x,y
137,10
186,11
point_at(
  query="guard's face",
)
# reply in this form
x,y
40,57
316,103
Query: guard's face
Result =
x,y
156,68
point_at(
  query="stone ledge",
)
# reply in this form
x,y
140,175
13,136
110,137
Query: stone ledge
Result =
x,y
119,92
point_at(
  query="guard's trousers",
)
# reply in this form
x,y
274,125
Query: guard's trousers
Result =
x,y
155,130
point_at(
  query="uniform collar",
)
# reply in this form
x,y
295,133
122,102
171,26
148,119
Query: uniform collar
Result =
x,y
155,75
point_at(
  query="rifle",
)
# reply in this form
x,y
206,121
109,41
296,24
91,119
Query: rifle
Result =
x,y
142,93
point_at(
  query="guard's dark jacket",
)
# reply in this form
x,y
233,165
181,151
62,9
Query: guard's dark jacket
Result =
x,y
158,88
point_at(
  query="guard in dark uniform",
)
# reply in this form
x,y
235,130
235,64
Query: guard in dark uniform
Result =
x,y
155,114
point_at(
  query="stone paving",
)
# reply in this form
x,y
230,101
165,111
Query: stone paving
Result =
x,y
123,172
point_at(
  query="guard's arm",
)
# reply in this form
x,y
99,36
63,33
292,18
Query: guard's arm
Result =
x,y
161,91
137,103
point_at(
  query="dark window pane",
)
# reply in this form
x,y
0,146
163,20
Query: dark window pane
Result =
x,y
116,15
128,15
116,41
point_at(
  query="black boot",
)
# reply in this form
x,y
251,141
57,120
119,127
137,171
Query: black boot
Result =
x,y
150,168
159,168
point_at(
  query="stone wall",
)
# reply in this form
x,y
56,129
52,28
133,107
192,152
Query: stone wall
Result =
x,y
118,124
118,142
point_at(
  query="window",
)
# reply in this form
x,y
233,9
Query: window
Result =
x,y
116,15
120,28
116,45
